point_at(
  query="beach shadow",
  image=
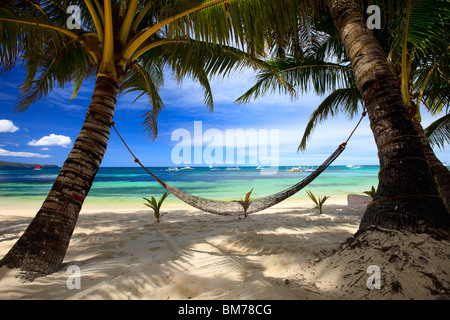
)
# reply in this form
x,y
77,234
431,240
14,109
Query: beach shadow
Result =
x,y
129,255
9,229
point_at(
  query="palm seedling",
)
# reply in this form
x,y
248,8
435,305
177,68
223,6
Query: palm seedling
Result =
x,y
156,205
245,203
371,192
318,201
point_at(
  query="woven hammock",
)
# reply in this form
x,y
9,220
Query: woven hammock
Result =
x,y
230,208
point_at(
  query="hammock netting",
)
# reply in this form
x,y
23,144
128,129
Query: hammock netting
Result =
x,y
230,208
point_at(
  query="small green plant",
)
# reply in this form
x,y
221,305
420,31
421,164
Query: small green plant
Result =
x,y
319,202
371,192
245,203
156,205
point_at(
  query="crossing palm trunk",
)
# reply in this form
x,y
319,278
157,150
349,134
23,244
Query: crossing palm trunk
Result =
x,y
407,197
43,245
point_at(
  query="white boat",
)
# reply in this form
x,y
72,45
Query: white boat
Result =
x,y
186,167
308,169
232,168
352,166
172,169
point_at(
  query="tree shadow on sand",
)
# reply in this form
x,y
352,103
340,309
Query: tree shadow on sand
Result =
x,y
195,255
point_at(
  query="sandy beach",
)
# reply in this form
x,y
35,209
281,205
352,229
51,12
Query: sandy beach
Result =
x,y
285,252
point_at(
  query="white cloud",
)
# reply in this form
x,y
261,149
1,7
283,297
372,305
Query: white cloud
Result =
x,y
7,153
9,143
7,126
52,140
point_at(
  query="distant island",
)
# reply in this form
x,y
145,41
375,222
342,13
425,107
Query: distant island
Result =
x,y
5,164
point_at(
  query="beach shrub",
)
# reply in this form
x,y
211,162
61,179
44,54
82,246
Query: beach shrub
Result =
x,y
318,201
156,205
245,203
371,192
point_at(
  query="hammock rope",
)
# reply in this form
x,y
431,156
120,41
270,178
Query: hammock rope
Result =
x,y
230,208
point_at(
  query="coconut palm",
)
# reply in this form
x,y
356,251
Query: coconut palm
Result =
x,y
426,78
401,193
125,46
425,81
310,70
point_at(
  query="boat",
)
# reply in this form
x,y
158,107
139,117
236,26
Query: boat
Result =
x,y
352,166
186,167
307,169
172,169
295,169
233,168
38,167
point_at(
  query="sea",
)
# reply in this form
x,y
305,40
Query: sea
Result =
x,y
128,185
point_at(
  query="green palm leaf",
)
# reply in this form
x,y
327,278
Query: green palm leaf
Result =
x,y
156,205
438,132
341,100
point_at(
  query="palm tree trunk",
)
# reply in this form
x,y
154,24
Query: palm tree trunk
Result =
x,y
42,247
441,172
407,197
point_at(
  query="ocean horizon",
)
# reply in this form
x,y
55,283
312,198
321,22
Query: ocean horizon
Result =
x,y
127,185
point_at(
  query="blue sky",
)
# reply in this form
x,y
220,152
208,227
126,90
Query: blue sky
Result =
x,y
45,132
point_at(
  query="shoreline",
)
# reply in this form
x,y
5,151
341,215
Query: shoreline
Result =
x,y
30,208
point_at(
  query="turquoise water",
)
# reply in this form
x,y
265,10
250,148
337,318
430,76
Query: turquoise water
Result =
x,y
126,185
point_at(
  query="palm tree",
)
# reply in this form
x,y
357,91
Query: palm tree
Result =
x,y
373,82
426,76
399,147
125,46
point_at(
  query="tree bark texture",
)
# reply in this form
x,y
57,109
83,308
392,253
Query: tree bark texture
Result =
x,y
407,197
441,172
43,245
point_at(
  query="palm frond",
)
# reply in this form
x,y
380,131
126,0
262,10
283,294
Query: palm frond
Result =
x,y
340,100
431,82
34,33
146,79
304,73
424,23
54,67
438,132
199,61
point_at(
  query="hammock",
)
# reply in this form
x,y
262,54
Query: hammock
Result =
x,y
230,208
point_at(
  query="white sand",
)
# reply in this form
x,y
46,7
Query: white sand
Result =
x,y
280,253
